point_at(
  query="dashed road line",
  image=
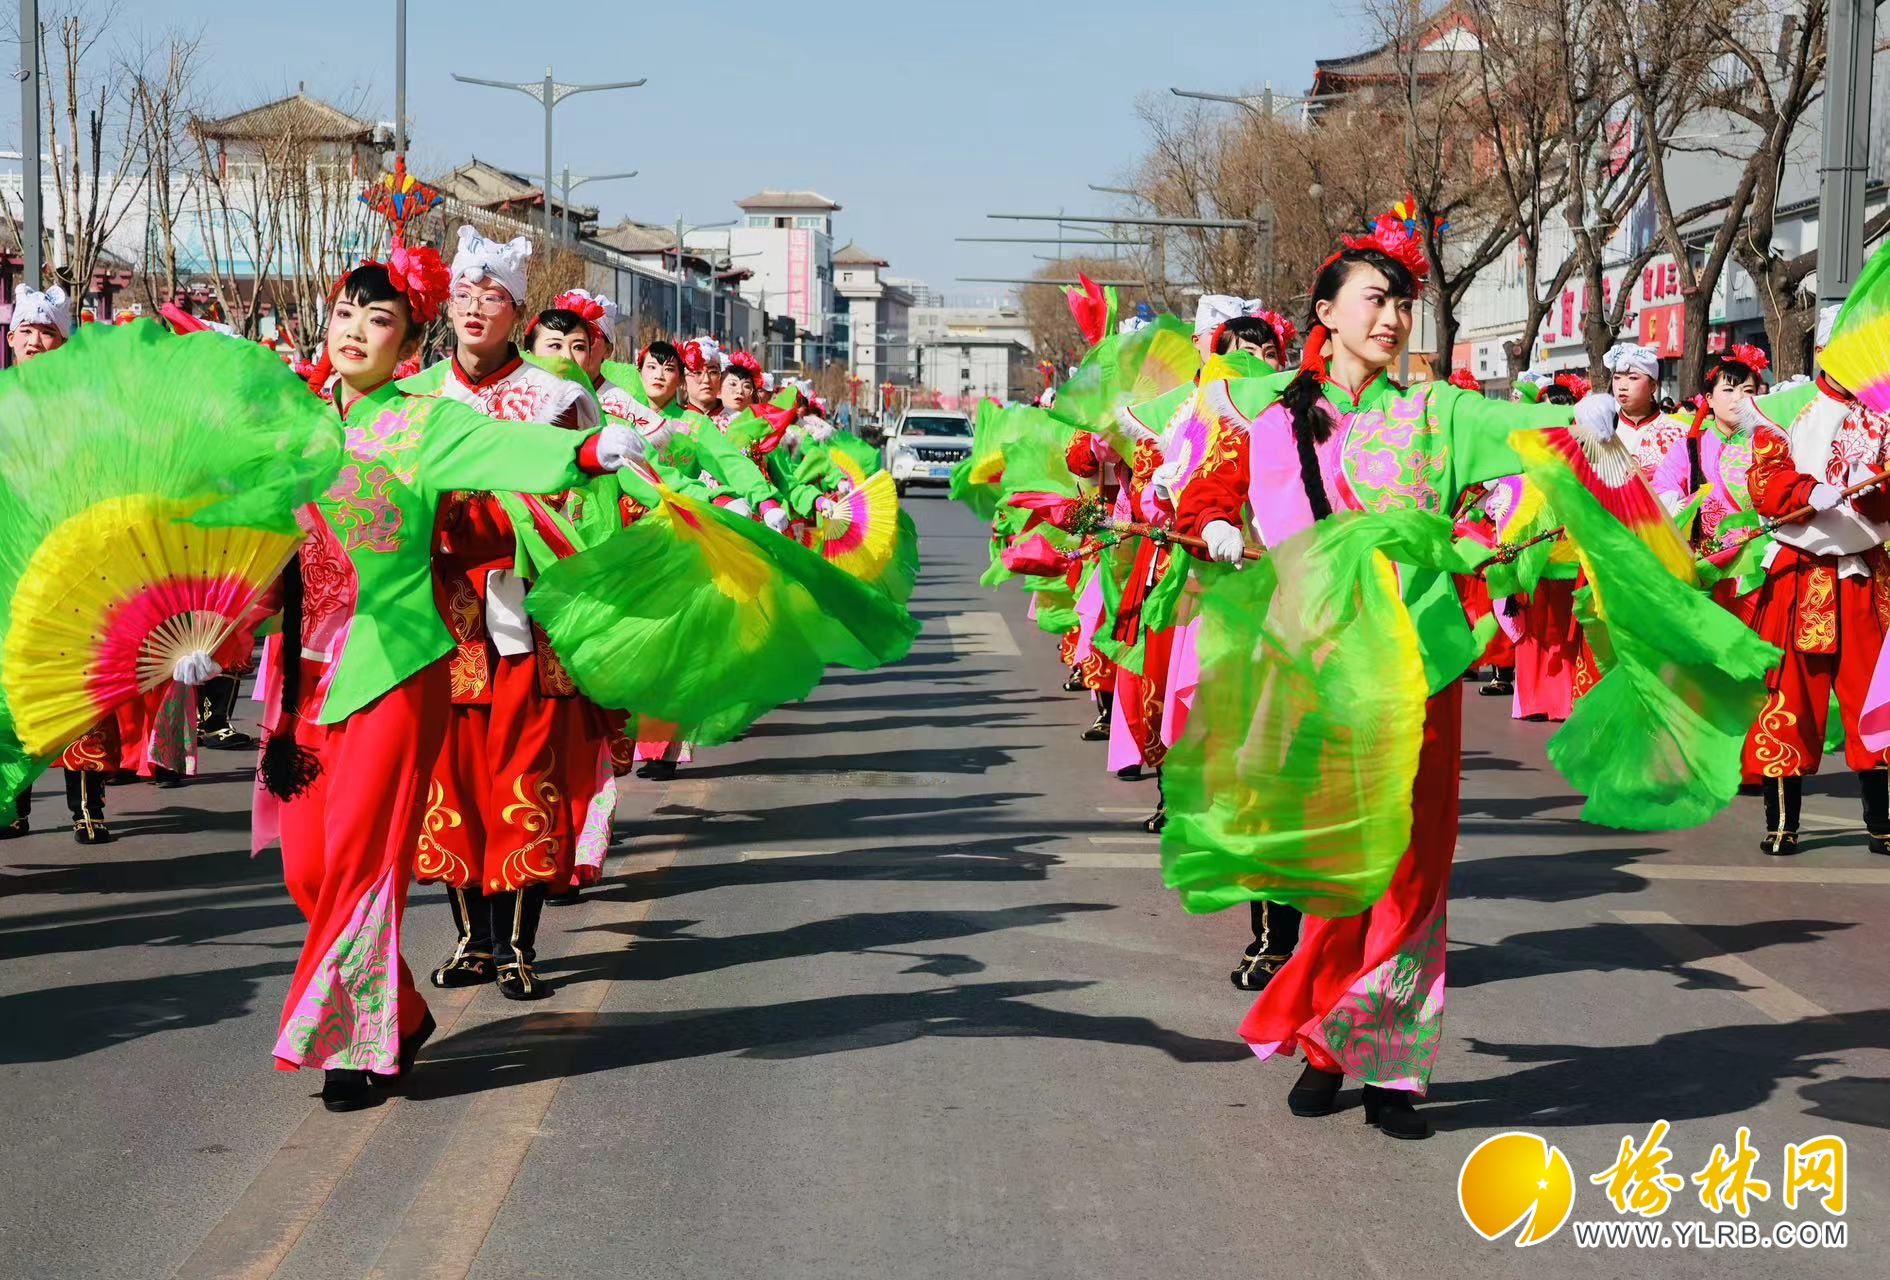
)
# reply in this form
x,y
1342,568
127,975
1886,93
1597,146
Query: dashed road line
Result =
x,y
1766,994
1761,875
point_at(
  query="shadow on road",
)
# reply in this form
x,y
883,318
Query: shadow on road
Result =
x,y
57,1023
1551,876
665,950
1688,1075
516,1051
1650,948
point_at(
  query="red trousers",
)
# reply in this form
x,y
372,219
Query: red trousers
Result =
x,y
346,844
1546,651
1140,697
1364,994
499,810
1831,630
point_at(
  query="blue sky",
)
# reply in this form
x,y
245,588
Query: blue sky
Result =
x,y
918,118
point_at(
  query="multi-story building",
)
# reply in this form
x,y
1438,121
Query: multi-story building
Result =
x,y
786,239
878,312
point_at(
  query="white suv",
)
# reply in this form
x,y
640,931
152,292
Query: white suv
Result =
x,y
925,446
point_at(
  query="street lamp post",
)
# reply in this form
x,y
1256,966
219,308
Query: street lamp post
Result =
x,y
1846,148
571,184
683,229
31,217
548,93
1263,212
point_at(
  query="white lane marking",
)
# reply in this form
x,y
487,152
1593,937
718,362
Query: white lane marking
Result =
x,y
1769,996
1118,810
982,633
768,855
1140,840
1826,822
1764,875
1107,861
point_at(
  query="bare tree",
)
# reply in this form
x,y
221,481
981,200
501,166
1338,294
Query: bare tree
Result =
x,y
160,87
1689,72
91,129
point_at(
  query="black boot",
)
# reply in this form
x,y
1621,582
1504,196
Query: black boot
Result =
x,y
1782,799
470,964
85,797
21,824
1154,823
1099,732
1075,683
216,703
1315,1093
1390,1110
347,1090
1275,934
1875,784
515,928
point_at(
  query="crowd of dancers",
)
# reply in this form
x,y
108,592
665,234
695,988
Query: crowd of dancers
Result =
x,y
1275,576
485,589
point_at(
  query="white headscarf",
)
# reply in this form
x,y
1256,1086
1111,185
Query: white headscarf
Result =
x,y
1629,357
1216,309
51,308
481,259
713,357
1536,377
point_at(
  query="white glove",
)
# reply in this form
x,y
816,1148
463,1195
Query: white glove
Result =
x,y
823,506
1165,480
775,518
618,446
1824,497
736,507
1225,543
818,429
1597,414
195,667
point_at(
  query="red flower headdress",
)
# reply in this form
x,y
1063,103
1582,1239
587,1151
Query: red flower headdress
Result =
x,y
1283,329
746,362
1574,383
1465,379
581,305
1748,355
694,359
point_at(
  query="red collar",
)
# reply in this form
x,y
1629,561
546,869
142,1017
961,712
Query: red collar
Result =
x,y
1833,390
1630,422
503,371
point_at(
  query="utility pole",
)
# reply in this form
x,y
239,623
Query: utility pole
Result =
x,y
683,229
1263,211
400,77
32,221
548,94
1846,147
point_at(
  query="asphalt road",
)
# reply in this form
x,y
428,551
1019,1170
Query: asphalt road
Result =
x,y
891,988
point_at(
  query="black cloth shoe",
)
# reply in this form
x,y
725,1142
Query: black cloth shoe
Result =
x,y
517,981
89,831
1497,689
468,970
1075,683
657,770
567,898
167,779
1875,786
1256,968
1130,773
85,797
347,1090
1391,1112
1315,1093
15,829
410,1047
224,738
1154,823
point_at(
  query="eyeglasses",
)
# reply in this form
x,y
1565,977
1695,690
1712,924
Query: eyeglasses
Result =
x,y
487,303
